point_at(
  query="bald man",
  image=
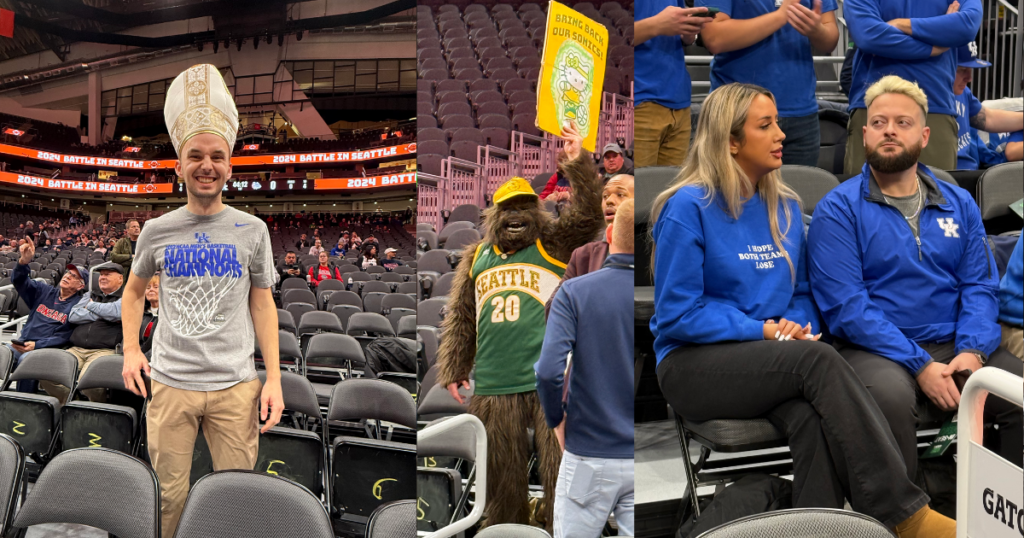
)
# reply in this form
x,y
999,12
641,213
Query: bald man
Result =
x,y
590,257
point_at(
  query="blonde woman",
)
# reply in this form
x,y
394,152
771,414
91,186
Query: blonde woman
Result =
x,y
736,329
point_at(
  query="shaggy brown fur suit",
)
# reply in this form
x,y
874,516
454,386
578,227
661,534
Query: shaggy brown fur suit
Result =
x,y
508,416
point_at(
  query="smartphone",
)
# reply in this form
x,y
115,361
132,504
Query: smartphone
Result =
x,y
712,11
18,342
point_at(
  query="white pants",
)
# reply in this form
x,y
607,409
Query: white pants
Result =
x,y
588,491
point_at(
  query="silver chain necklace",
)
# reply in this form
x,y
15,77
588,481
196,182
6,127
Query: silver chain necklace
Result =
x,y
920,201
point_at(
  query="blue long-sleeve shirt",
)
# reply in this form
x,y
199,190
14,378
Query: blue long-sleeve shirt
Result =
x,y
660,66
591,317
718,279
1011,289
87,310
48,324
884,50
883,290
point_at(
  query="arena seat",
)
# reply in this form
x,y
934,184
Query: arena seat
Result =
x,y
94,424
462,437
344,297
436,402
297,295
12,475
650,182
407,327
461,239
438,489
289,353
943,175
250,503
810,183
313,323
372,301
443,285
298,454
298,309
434,261
374,286
345,311
452,227
428,312
467,212
801,522
370,472
512,530
6,357
337,353
393,519
999,187
98,487
367,326
34,419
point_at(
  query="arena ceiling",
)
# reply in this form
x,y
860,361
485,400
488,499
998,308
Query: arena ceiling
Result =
x,y
42,25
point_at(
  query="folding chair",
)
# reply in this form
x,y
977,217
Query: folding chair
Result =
x,y
98,487
437,495
94,424
300,455
801,522
289,355
336,353
34,419
243,504
462,437
313,323
369,472
367,326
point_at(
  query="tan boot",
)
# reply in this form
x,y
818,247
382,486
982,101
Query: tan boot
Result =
x,y
926,523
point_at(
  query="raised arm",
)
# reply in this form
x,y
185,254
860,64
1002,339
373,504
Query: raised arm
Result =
x,y
584,218
874,35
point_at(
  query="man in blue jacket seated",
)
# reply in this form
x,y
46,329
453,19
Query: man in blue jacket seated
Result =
x,y
972,116
49,307
901,270
1011,302
915,40
592,321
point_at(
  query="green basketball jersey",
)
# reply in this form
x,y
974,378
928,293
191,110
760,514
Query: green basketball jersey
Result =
x,y
511,290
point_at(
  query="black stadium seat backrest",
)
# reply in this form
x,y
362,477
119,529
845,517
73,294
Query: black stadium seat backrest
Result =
x,y
810,183
650,182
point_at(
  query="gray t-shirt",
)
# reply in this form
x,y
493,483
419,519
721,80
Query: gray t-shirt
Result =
x,y
207,263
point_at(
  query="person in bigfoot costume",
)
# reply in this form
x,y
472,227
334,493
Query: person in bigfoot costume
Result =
x,y
496,320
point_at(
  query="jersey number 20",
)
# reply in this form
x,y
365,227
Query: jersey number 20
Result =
x,y
505,309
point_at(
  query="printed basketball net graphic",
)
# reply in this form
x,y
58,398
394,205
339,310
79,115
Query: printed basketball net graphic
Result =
x,y
202,273
197,302
572,85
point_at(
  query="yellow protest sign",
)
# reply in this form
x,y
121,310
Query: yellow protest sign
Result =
x,y
572,73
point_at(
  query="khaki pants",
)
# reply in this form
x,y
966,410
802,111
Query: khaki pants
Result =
x,y
230,420
939,153
85,358
661,136
1013,340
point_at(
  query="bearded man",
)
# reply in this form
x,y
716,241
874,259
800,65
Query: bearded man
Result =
x,y
901,270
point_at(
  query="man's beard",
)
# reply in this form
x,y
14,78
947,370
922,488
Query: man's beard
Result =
x,y
891,164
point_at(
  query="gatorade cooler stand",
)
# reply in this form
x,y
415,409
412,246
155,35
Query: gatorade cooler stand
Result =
x,y
990,490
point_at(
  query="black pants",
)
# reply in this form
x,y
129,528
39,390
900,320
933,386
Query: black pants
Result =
x,y
837,434
904,404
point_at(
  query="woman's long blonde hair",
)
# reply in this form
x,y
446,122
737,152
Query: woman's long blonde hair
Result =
x,y
711,166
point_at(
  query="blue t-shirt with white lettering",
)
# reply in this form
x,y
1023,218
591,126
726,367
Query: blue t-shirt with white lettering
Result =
x,y
660,73
967,106
782,62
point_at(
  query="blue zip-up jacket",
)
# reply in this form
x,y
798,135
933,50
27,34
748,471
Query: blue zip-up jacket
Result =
x,y
591,317
717,279
48,324
1011,289
883,50
885,291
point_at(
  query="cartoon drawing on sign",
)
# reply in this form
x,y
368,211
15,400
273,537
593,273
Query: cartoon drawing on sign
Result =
x,y
572,85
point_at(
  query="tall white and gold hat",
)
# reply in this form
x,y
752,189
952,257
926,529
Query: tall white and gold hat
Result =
x,y
198,101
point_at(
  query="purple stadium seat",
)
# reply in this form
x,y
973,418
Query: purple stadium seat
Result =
x,y
423,54
451,85
503,74
450,97
494,121
429,163
469,134
436,147
434,74
496,136
465,150
461,52
428,134
482,84
425,121
487,96
525,123
493,64
459,42
454,108
469,74
526,63
487,37
464,63
432,63
521,96
516,84
492,108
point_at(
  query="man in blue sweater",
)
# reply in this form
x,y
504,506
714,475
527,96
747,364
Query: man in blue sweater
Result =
x,y
901,271
747,36
1011,302
972,116
662,116
915,40
591,321
49,307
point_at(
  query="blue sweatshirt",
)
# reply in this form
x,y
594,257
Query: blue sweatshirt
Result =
x,y
791,78
967,106
660,67
1011,289
883,50
592,318
886,292
48,324
717,279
